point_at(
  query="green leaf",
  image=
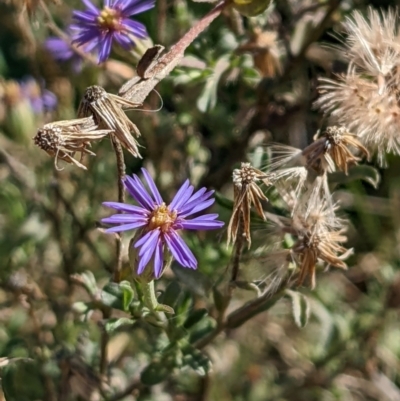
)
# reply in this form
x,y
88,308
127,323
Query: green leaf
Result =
x,y
300,307
87,280
113,324
221,300
202,329
195,359
208,97
237,321
127,294
155,373
117,295
82,307
22,381
360,172
195,317
171,295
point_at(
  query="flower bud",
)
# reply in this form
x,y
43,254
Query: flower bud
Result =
x,y
250,8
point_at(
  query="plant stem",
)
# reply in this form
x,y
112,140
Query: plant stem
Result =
x,y
119,154
238,249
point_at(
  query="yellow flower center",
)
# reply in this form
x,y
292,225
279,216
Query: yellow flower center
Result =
x,y
162,218
109,19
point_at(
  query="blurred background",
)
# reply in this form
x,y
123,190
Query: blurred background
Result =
x,y
244,83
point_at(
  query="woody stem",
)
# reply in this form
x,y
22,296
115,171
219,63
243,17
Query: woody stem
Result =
x,y
238,249
121,198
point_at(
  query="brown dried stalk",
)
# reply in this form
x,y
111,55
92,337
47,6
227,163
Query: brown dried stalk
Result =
x,y
138,88
62,139
246,193
333,148
263,46
324,246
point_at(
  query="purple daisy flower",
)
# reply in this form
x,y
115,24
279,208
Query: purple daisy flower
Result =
x,y
161,223
98,28
40,99
61,51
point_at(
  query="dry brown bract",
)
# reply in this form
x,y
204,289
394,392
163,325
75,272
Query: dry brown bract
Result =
x,y
332,149
107,112
265,51
324,246
246,193
62,139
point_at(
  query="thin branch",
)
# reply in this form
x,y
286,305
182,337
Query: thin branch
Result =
x,y
238,248
241,315
137,89
119,154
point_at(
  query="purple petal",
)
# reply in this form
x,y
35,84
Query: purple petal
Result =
x,y
58,48
210,216
138,192
146,252
200,196
148,243
152,186
181,196
158,259
105,47
136,7
90,6
85,17
202,223
86,37
49,100
123,218
124,40
135,28
124,207
125,227
180,250
197,208
143,239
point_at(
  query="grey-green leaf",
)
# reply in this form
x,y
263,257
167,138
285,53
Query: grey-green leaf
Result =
x,y
300,307
113,324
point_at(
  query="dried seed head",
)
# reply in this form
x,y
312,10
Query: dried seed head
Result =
x,y
371,42
246,193
265,51
332,149
366,99
107,111
62,139
319,233
316,246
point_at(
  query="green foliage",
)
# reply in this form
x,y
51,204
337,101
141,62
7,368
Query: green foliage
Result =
x,y
73,328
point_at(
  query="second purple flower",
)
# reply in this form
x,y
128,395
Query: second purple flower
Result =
x,y
161,223
99,28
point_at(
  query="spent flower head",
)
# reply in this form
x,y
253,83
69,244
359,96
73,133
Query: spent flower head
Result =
x,y
264,48
98,28
160,223
366,99
333,149
246,193
371,42
62,139
107,112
